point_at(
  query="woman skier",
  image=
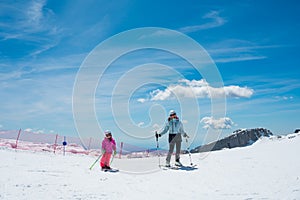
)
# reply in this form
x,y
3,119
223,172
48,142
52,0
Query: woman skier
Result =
x,y
175,128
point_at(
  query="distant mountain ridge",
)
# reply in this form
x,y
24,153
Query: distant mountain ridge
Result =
x,y
239,138
31,136
49,140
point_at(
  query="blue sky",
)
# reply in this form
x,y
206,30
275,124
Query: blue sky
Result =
x,y
254,45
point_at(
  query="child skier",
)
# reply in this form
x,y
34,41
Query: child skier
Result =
x,y
175,128
108,147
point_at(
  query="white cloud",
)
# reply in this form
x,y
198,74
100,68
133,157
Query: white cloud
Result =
x,y
28,17
155,127
199,89
35,12
141,100
30,21
236,50
285,98
40,131
160,95
239,59
158,33
184,121
237,91
141,124
37,131
221,123
216,22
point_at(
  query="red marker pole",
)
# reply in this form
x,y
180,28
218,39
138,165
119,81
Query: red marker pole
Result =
x,y
18,138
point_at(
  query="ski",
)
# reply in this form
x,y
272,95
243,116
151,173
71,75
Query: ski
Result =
x,y
189,167
183,167
164,167
110,170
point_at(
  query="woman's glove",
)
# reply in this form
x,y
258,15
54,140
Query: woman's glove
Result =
x,y
157,135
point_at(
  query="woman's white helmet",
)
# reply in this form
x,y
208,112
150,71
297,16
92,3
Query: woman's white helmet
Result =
x,y
172,112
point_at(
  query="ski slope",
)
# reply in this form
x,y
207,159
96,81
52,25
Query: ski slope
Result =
x,y
268,169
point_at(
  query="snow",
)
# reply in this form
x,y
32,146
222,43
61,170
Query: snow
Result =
x,y
268,169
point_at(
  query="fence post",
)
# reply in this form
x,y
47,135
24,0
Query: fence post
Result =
x,y
89,147
18,138
55,143
121,150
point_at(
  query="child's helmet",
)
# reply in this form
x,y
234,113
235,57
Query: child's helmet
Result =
x,y
107,132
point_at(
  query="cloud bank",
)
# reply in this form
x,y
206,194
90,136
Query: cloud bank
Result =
x,y
200,89
221,123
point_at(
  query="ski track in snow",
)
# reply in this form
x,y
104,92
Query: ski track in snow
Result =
x,y
269,169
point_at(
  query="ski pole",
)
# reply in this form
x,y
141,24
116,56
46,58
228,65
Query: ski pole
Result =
x,y
112,158
157,147
95,161
188,149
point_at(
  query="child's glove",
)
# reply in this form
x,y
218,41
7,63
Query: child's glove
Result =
x,y
185,135
115,152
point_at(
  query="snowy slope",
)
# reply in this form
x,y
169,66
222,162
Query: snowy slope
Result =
x,y
269,169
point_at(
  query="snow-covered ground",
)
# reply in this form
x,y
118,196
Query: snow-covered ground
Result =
x,y
269,169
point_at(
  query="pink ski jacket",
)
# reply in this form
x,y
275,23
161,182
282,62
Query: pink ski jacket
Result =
x,y
108,145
